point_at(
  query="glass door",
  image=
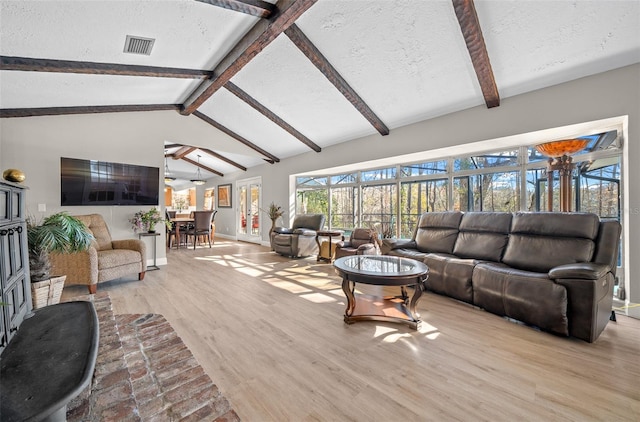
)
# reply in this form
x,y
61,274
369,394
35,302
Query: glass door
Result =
x,y
249,218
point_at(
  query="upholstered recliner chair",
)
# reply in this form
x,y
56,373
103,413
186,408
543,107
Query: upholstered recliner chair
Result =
x,y
299,240
361,242
105,260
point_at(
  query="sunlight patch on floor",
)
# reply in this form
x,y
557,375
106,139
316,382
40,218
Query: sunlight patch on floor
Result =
x,y
337,292
252,272
318,298
392,335
431,332
289,286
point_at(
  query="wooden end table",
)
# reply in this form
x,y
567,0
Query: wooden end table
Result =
x,y
382,270
329,234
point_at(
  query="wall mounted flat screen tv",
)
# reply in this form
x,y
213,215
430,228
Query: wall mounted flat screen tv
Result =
x,y
91,182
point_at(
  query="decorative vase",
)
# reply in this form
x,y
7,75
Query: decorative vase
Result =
x,y
273,226
14,175
152,228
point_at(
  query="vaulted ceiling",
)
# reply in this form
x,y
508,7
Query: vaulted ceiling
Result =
x,y
283,79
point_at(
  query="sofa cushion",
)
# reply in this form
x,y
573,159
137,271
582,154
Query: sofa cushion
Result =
x,y
361,237
450,275
558,224
527,296
488,282
483,235
98,228
437,231
408,253
541,241
308,221
111,258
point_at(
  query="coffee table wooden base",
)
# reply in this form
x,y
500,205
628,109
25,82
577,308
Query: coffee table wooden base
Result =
x,y
401,309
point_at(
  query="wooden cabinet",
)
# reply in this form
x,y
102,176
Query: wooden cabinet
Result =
x,y
15,288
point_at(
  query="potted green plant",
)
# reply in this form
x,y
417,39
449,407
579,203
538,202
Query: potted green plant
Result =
x,y
58,232
146,220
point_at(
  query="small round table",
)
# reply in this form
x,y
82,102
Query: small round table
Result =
x,y
382,270
329,234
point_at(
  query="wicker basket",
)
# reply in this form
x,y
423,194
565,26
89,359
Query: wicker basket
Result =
x,y
47,292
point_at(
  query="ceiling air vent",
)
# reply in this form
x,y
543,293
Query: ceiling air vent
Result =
x,y
138,45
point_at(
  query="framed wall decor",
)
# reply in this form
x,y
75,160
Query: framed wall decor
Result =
x,y
209,195
224,196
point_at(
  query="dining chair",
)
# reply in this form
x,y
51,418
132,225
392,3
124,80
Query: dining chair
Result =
x,y
171,229
201,226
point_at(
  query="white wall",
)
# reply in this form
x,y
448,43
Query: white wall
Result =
x,y
35,145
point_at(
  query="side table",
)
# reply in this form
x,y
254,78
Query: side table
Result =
x,y
154,236
329,234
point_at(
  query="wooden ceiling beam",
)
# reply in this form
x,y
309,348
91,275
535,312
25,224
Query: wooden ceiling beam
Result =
x,y
257,8
272,158
57,111
472,33
223,158
28,64
260,36
238,92
182,152
172,146
206,151
203,167
317,58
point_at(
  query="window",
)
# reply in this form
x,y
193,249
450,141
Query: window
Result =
x,y
424,169
311,181
343,179
599,190
379,208
492,160
344,208
314,201
416,198
487,192
380,174
391,199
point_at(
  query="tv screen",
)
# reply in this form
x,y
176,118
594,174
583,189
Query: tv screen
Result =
x,y
90,182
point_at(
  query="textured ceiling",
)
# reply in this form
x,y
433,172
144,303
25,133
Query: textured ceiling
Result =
x,y
407,59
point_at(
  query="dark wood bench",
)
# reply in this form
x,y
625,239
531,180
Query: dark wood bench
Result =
x,y
48,362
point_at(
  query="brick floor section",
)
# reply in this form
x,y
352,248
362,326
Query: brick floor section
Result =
x,y
144,372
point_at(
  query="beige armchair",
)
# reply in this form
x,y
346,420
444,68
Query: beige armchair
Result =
x,y
105,260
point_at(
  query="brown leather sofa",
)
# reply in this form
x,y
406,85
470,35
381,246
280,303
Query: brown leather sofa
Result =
x,y
555,271
299,240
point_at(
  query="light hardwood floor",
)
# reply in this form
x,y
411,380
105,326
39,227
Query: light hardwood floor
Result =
x,y
269,332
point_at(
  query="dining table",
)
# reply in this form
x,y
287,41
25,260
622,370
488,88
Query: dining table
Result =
x,y
180,221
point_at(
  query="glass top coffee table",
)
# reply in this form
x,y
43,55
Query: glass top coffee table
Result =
x,y
382,270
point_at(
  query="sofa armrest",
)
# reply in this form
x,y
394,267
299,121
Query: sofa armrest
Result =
x,y
79,267
580,270
589,297
283,230
366,247
391,244
304,232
